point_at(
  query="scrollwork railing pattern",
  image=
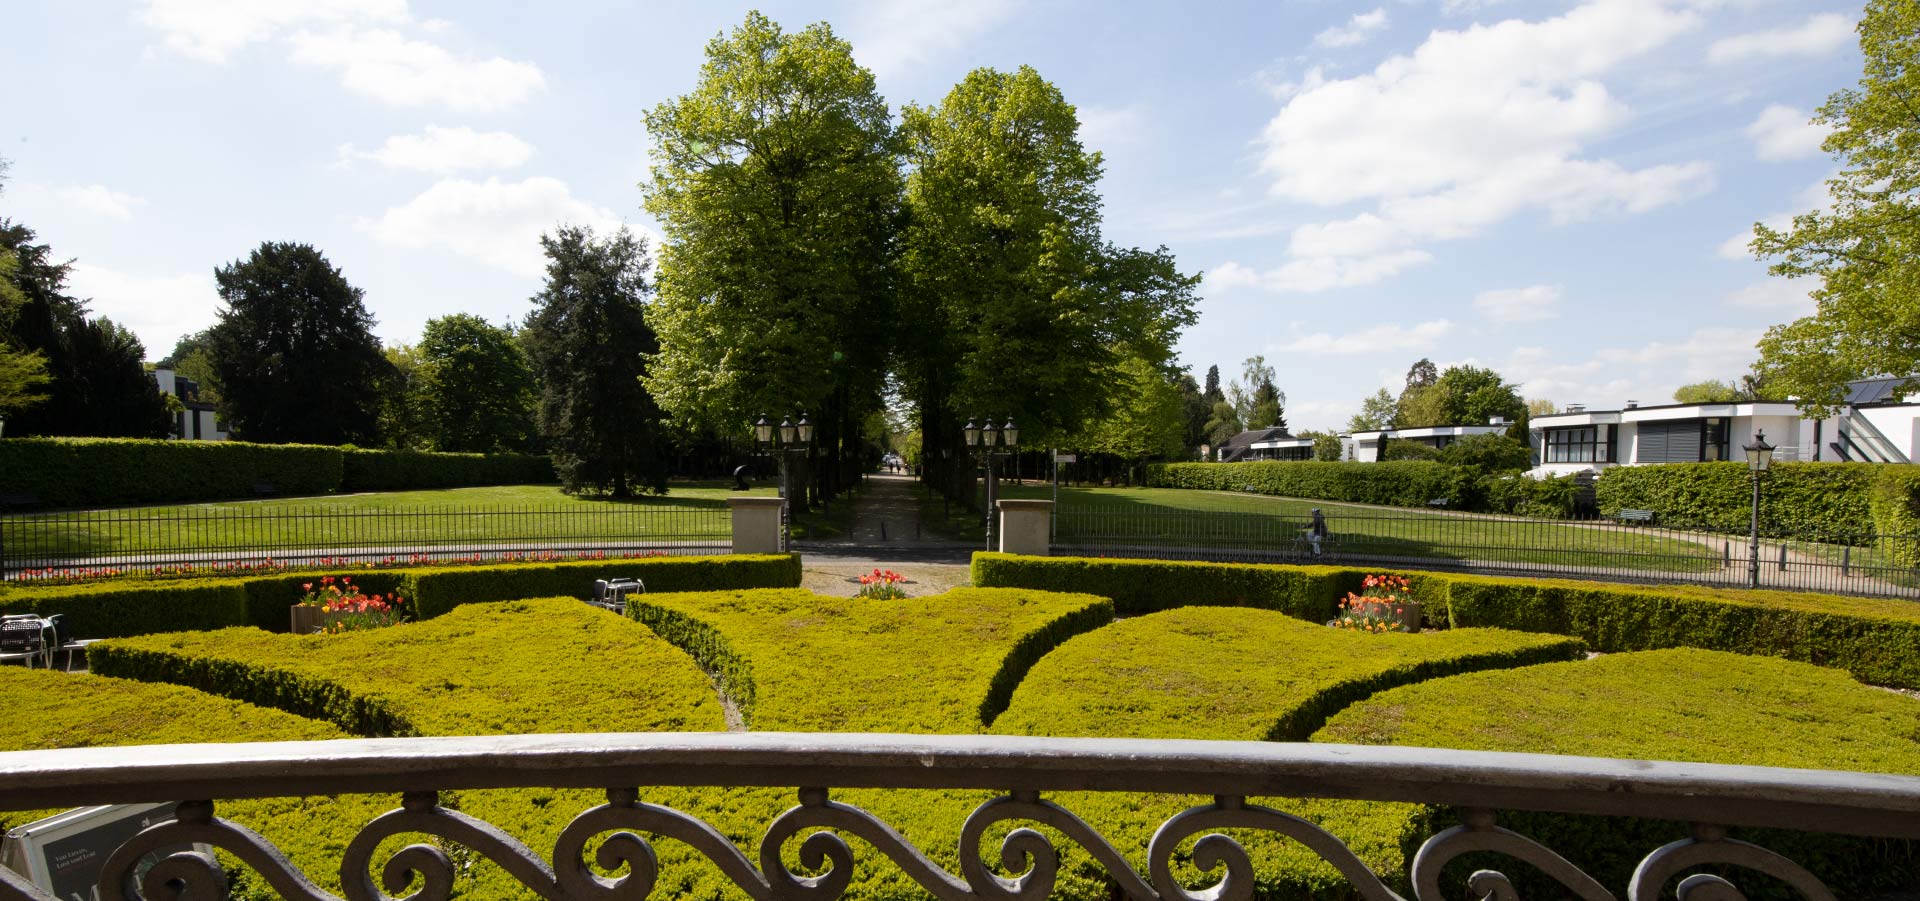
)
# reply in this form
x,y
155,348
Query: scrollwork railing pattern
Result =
x,y
827,836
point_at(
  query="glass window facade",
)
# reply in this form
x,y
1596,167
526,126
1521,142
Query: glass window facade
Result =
x,y
1578,444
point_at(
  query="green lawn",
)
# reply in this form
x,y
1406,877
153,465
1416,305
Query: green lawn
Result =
x,y
1161,517
689,511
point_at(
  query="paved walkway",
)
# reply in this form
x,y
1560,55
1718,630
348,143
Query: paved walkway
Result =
x,y
886,534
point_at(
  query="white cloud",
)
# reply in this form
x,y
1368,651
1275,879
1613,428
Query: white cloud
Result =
x,y
441,151
1357,30
498,223
1384,337
1773,295
1474,127
1649,373
1817,36
211,30
891,37
1103,126
42,202
358,40
1784,133
387,67
158,308
1511,305
1308,275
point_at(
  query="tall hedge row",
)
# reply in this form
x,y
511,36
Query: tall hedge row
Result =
x,y
1896,512
1876,640
120,609
1401,483
103,472
1827,501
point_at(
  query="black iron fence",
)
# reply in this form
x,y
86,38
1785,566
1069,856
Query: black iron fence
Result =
x,y
187,538
1862,564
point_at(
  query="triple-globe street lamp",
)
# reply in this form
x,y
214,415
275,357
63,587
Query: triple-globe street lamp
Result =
x,y
981,441
1759,458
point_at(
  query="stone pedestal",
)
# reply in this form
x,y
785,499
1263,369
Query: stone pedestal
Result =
x,y
1026,527
756,524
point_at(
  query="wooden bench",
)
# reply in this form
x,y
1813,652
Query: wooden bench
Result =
x,y
1634,516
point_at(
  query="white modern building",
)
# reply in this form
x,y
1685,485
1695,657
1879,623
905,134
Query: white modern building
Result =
x,y
1272,443
1871,428
199,421
1364,447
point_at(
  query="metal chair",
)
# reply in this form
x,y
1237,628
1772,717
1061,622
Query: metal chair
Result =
x,y
23,637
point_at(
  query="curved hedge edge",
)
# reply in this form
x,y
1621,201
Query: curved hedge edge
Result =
x,y
1034,645
125,609
1877,641
707,646
1311,714
261,686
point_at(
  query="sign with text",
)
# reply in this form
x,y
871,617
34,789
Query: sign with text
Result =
x,y
64,853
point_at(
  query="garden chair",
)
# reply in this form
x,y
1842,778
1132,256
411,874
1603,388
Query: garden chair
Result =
x,y
23,637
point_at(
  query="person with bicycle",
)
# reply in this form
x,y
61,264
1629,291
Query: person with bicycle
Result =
x,y
1316,531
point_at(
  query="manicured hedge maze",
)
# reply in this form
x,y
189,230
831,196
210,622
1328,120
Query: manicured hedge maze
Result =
x,y
1679,704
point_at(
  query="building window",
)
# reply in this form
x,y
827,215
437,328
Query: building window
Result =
x,y
1714,447
1580,444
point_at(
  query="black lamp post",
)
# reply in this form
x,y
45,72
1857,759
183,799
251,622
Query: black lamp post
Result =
x,y
1759,458
981,440
783,442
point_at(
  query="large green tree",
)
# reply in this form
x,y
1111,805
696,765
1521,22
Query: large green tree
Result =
x,y
778,187
94,383
589,340
1149,424
1864,251
294,351
1376,412
1462,395
1018,307
1711,391
475,386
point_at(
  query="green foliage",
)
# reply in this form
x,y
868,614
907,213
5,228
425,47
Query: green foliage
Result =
x,y
101,472
1711,391
778,188
1876,640
812,663
1409,483
1817,501
589,339
1686,705
1380,411
94,472
1147,420
1493,453
1197,672
408,470
1547,497
475,386
90,367
122,608
1462,395
1864,251
1896,512
1398,449
294,350
1327,446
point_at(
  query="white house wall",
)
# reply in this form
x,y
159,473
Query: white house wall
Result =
x,y
1900,424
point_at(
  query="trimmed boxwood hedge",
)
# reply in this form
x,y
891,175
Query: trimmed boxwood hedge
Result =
x,y
798,661
137,607
1396,483
1896,512
1821,501
1679,704
105,472
1876,640
529,666
1204,671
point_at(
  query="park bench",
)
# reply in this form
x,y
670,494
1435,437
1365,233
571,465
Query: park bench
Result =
x,y
1437,503
1634,516
265,489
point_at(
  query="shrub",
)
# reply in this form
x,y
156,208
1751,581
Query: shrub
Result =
x,y
1410,483
1896,512
1876,640
1686,705
119,609
386,470
97,472
1822,501
1548,497
1398,449
1493,453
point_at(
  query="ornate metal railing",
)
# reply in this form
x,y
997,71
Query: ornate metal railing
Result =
x,y
1712,797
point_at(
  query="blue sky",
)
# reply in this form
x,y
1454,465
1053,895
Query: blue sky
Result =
x,y
1554,189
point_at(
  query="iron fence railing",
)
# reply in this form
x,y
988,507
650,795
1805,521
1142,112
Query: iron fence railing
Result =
x,y
1862,563
140,539
1232,779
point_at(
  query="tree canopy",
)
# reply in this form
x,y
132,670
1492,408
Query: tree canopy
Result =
x,y
475,386
589,340
1863,252
1711,391
294,351
1462,395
